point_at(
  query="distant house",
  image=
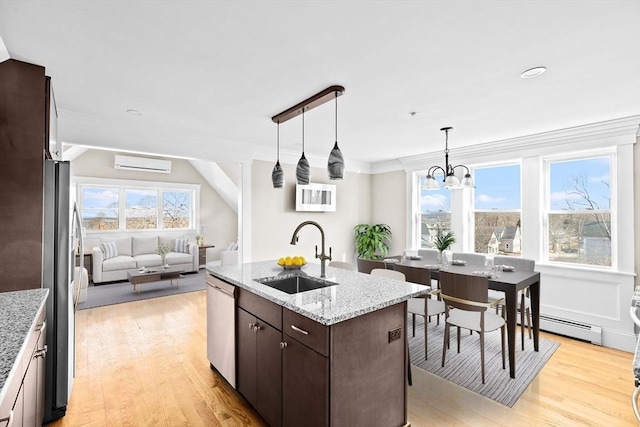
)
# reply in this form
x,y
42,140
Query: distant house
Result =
x,y
596,242
505,240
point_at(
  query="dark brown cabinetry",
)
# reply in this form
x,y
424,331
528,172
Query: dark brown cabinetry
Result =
x,y
259,375
295,371
23,141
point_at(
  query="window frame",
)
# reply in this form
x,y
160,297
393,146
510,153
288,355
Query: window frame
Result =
x,y
418,212
612,211
159,186
472,203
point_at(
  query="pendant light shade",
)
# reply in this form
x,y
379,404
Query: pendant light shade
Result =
x,y
303,170
335,166
277,175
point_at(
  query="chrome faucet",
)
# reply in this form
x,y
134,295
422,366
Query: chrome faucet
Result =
x,y
323,257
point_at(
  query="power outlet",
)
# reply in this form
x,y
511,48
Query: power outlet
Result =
x,y
395,334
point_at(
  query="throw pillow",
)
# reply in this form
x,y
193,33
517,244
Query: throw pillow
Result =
x,y
182,245
109,249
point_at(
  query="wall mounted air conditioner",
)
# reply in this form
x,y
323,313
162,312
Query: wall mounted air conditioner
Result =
x,y
142,164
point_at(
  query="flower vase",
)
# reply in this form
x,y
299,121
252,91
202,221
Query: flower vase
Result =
x,y
164,261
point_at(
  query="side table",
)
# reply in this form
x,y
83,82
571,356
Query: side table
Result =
x,y
202,254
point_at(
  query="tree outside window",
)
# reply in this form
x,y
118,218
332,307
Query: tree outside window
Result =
x,y
141,212
497,211
435,213
176,209
579,216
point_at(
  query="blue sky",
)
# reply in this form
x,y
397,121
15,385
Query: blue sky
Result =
x,y
499,187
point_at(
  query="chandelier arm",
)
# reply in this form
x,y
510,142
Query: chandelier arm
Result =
x,y
435,168
461,166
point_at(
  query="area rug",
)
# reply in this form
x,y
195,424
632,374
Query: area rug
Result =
x,y
120,292
464,368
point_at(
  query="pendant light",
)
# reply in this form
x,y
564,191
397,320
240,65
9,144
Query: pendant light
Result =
x,y
277,176
450,180
335,166
302,170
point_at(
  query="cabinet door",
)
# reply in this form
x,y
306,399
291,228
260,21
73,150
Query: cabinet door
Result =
x,y
246,347
41,354
305,386
269,373
18,410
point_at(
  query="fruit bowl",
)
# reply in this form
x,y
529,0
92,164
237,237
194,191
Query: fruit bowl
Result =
x,y
292,267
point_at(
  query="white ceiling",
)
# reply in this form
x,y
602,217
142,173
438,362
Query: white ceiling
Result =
x,y
208,75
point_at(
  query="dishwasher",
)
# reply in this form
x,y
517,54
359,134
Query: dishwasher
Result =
x,y
221,330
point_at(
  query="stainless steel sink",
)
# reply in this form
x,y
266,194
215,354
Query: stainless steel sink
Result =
x,y
295,284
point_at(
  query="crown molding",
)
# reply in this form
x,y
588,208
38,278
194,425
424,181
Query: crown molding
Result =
x,y
607,133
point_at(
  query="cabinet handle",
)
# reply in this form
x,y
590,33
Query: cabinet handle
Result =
x,y
302,331
252,326
8,419
283,345
42,352
257,328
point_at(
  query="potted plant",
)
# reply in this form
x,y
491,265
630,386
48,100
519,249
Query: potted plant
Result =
x,y
443,241
372,240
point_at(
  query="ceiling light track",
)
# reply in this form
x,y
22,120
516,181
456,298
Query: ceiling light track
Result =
x,y
319,98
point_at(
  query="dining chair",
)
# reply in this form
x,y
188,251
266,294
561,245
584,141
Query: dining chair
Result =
x,y
521,264
471,259
366,265
341,264
423,306
389,274
466,307
429,256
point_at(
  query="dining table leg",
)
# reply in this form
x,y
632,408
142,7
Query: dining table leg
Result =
x,y
512,312
534,295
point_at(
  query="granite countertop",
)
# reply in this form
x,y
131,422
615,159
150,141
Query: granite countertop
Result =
x,y
353,295
18,313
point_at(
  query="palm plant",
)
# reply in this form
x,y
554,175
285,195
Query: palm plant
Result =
x,y
372,240
442,240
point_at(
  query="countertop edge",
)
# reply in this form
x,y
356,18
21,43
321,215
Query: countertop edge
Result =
x,y
322,320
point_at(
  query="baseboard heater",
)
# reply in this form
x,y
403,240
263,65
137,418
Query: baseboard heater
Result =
x,y
569,328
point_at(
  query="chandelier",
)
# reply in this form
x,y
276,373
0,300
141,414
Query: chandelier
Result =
x,y
450,180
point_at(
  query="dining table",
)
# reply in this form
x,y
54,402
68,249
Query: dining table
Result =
x,y
509,282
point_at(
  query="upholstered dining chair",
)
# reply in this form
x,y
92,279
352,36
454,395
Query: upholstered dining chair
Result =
x,y
521,264
341,264
424,306
466,307
471,259
389,274
366,265
429,256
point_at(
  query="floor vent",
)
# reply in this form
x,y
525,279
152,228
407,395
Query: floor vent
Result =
x,y
569,328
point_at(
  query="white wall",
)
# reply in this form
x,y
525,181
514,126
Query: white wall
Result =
x,y
274,217
220,220
388,196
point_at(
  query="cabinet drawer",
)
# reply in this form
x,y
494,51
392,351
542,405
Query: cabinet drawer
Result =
x,y
309,332
261,308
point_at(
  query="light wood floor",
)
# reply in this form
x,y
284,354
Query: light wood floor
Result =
x,y
144,364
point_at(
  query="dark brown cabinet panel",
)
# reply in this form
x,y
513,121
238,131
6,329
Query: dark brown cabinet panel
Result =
x,y
259,374
305,386
246,350
23,117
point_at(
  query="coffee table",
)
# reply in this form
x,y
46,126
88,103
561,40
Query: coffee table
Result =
x,y
154,274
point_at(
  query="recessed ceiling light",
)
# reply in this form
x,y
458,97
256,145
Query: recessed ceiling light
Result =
x,y
533,72
134,112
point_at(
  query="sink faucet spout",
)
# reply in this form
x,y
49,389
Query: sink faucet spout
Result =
x,y
323,257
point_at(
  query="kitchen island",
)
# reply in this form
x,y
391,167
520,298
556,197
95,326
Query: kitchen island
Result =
x,y
333,356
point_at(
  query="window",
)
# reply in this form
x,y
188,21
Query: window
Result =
x,y
435,213
137,205
100,208
578,211
496,210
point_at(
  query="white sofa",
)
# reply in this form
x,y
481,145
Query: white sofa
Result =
x,y
136,252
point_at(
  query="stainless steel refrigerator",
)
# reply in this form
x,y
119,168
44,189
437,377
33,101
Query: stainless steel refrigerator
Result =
x,y
61,241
